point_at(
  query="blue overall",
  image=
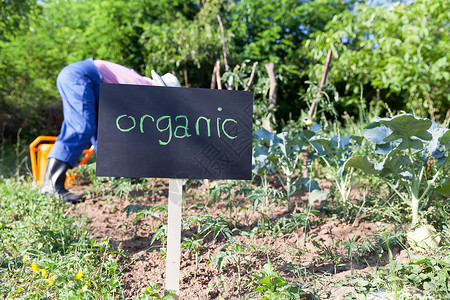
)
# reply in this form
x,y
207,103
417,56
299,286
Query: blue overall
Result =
x,y
78,84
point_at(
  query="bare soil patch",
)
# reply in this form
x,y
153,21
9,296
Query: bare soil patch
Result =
x,y
306,256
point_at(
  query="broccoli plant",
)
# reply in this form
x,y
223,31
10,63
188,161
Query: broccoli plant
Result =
x,y
334,152
280,154
415,158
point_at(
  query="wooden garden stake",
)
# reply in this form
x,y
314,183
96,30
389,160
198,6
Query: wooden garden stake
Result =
x,y
252,75
174,235
224,45
272,96
312,109
218,78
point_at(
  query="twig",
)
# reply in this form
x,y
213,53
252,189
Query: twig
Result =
x,y
224,47
359,212
252,75
312,109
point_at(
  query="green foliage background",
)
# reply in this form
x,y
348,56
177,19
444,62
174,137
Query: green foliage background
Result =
x,y
392,52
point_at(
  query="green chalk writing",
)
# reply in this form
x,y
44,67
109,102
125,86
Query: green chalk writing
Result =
x,y
197,127
141,125
181,127
167,127
223,128
125,130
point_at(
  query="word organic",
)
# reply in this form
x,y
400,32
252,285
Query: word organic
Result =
x,y
180,126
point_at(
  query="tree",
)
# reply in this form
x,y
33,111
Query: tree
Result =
x,y
274,31
13,13
402,48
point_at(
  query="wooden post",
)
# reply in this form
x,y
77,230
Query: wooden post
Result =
x,y
272,96
218,78
224,45
252,75
174,235
312,109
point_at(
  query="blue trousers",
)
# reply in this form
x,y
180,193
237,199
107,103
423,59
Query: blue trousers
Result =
x,y
79,85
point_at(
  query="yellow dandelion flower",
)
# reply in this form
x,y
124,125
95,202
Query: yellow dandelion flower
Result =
x,y
26,259
79,275
35,267
51,280
44,273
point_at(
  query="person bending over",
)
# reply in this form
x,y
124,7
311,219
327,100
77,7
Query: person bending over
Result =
x,y
78,84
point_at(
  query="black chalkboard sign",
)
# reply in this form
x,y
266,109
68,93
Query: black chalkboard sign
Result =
x,y
166,132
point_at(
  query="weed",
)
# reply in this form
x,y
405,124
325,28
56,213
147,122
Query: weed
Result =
x,y
235,256
151,291
161,236
269,284
233,192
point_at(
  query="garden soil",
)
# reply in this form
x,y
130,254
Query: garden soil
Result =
x,y
304,256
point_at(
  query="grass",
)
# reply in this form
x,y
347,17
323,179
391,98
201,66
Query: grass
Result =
x,y
46,254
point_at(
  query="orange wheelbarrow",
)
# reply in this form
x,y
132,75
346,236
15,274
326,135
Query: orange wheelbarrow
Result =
x,y
38,153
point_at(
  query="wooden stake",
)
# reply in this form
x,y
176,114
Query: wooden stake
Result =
x,y
218,78
186,82
273,85
312,109
272,97
224,46
174,235
250,81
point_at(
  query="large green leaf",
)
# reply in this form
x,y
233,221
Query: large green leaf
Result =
x,y
445,139
406,127
361,162
376,133
317,195
395,163
444,189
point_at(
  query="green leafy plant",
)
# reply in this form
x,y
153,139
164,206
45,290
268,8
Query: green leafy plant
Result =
x,y
151,291
270,285
205,225
231,191
161,236
142,211
427,273
334,152
415,161
283,153
234,256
